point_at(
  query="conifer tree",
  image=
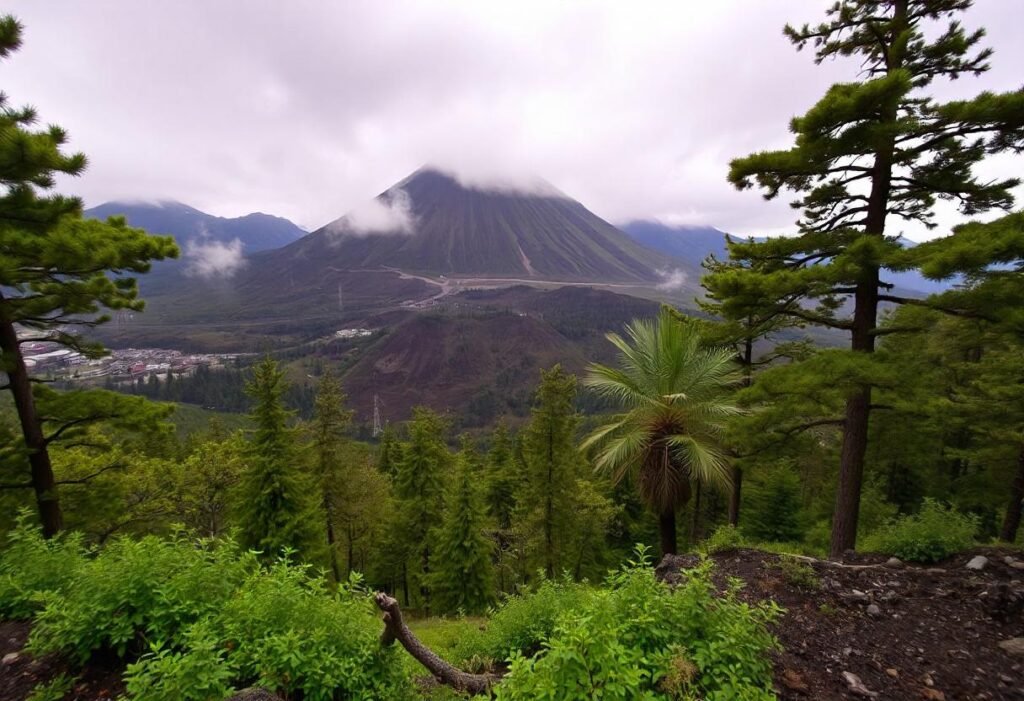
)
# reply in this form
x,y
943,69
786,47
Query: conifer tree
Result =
x,y
462,576
330,422
502,477
388,452
278,507
867,153
546,499
57,271
419,487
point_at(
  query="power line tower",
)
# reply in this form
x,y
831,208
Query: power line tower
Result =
x,y
377,428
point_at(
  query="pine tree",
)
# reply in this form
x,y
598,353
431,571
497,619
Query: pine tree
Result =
x,y
546,499
56,271
389,452
462,576
331,420
420,487
278,508
775,508
502,477
868,152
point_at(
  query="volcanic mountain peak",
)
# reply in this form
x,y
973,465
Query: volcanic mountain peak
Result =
x,y
433,222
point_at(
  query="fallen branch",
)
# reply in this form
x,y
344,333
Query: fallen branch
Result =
x,y
395,629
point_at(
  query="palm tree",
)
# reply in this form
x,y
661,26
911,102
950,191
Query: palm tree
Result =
x,y
675,393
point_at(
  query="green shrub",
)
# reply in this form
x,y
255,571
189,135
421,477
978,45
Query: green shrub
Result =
x,y
135,590
637,638
725,537
523,621
31,567
797,573
932,534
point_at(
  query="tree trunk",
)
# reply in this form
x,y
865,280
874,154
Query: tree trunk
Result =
x,y
667,530
865,320
695,533
43,481
1011,522
331,542
734,496
395,629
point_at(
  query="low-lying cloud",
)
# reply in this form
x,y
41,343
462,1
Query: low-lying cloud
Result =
x,y
209,259
390,213
672,279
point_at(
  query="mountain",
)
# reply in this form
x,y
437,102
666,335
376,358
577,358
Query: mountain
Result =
x,y
431,223
694,243
688,243
256,232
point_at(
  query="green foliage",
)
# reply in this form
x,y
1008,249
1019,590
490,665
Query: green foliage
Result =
x,y
932,534
724,538
774,508
523,621
674,391
462,576
546,500
53,690
151,587
278,506
31,567
640,639
797,574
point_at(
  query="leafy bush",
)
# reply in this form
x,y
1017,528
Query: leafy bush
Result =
x,y
134,590
932,534
637,638
523,621
725,537
31,566
797,573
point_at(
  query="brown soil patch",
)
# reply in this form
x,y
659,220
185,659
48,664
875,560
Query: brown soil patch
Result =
x,y
906,632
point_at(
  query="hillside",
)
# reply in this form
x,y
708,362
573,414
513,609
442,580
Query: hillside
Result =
x,y
452,229
256,231
481,356
693,244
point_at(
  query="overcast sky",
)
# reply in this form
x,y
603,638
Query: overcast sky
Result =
x,y
306,109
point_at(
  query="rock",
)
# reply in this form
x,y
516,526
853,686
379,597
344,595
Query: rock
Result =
x,y
857,686
793,680
874,610
1009,560
857,594
893,562
10,658
894,673
254,694
1017,565
977,563
932,694
1013,646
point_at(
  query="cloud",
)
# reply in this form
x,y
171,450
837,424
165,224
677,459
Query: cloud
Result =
x,y
209,259
391,213
672,279
634,109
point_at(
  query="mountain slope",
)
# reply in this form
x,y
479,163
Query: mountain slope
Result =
x,y
457,230
694,243
256,231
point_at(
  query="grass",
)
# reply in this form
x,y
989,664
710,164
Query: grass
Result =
x,y
441,635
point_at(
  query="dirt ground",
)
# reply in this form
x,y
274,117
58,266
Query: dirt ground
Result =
x,y
20,672
905,632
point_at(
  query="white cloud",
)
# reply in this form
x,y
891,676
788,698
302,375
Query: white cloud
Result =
x,y
391,213
635,109
210,259
672,279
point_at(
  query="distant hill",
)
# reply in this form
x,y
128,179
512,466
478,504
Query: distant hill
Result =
x,y
256,232
695,243
431,223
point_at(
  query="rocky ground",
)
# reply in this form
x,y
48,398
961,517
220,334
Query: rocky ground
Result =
x,y
871,628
